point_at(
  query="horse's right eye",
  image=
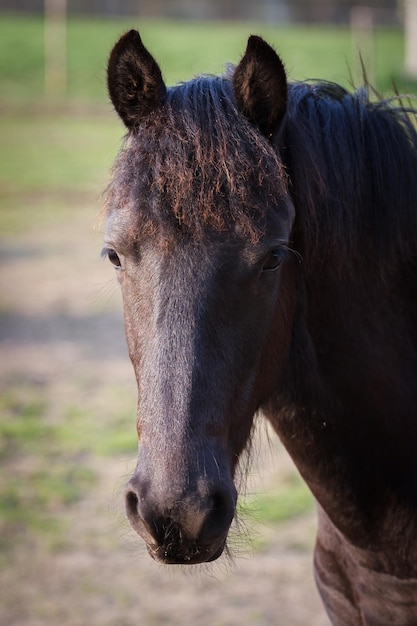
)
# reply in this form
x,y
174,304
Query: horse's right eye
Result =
x,y
113,257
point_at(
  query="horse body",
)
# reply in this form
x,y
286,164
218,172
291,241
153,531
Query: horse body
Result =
x,y
222,186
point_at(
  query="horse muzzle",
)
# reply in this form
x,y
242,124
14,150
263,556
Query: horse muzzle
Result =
x,y
184,528
176,549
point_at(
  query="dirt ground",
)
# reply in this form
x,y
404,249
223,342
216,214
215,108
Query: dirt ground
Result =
x,y
61,329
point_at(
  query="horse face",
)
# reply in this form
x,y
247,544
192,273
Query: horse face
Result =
x,y
207,341
200,247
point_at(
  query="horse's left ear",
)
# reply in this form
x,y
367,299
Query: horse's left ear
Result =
x,y
134,80
260,86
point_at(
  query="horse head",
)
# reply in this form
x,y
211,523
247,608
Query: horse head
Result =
x,y
198,229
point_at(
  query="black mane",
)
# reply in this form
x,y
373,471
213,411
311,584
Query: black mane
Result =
x,y
353,167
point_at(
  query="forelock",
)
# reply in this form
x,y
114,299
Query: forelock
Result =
x,y
198,163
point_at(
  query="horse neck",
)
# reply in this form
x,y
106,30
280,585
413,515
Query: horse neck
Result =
x,y
358,584
346,407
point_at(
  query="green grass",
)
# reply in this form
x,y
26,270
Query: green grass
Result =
x,y
112,435
40,476
47,457
51,164
56,152
290,498
21,427
183,50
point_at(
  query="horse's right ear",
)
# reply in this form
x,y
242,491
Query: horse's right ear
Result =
x,y
134,80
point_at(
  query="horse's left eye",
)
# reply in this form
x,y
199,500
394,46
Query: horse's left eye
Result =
x,y
272,261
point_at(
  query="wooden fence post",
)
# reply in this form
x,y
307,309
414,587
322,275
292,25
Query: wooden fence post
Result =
x,y
410,30
55,48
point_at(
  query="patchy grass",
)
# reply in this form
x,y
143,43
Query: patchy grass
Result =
x,y
22,427
289,498
44,470
111,435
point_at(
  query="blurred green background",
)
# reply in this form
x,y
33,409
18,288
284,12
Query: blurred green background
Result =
x,y
67,422
184,49
65,140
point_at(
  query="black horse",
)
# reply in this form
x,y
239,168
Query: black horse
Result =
x,y
265,239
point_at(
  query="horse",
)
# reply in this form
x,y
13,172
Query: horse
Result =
x,y
264,234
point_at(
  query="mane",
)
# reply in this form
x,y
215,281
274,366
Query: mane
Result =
x,y
196,163
353,167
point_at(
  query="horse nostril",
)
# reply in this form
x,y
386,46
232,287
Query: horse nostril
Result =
x,y
221,513
217,502
132,503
